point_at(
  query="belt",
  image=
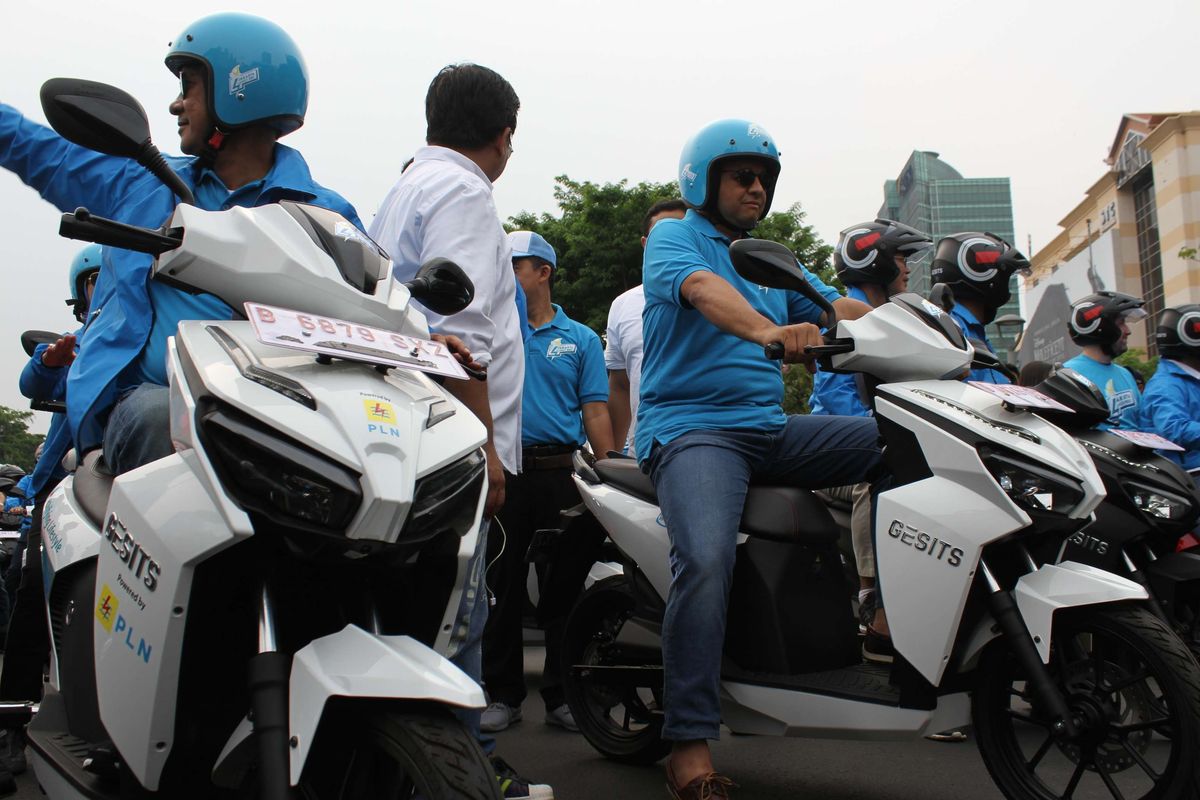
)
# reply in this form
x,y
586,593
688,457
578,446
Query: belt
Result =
x,y
548,456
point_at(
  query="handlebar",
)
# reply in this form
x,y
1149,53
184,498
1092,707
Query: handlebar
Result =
x,y
775,352
87,227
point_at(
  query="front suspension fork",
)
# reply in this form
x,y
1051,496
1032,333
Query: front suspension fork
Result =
x,y
269,673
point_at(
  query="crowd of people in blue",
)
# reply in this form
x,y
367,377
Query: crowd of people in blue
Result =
x,y
681,385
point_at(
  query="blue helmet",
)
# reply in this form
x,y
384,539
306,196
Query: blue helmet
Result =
x,y
715,142
86,262
255,71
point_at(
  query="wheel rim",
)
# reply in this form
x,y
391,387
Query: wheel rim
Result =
x,y
623,713
1127,745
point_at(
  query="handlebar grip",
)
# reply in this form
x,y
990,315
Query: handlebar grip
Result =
x,y
477,374
87,227
774,351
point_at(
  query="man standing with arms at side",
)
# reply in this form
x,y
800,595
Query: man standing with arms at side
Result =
x,y
563,403
711,417
442,206
623,350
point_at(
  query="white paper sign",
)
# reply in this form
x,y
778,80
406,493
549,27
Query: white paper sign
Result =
x,y
1023,396
341,339
1151,441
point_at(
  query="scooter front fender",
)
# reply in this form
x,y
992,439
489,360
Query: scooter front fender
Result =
x,y
1039,594
352,663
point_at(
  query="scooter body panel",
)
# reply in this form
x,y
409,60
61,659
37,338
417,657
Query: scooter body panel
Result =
x,y
1039,594
159,525
355,663
769,711
931,533
637,528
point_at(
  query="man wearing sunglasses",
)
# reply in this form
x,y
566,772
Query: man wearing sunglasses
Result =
x,y
243,85
710,416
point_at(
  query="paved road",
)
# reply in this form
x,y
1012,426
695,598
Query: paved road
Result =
x,y
767,768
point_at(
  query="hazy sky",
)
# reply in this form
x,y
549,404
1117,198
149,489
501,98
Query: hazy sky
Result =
x,y
1029,90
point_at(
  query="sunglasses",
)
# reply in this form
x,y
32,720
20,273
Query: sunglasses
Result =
x,y
745,177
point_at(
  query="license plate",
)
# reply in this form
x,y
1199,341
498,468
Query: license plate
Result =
x,y
339,338
1020,396
1151,441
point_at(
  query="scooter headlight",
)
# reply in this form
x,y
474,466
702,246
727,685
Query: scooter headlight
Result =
x,y
446,499
1158,504
1031,486
278,478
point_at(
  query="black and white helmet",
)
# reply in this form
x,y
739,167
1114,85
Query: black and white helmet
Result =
x,y
866,252
977,265
1095,319
1178,332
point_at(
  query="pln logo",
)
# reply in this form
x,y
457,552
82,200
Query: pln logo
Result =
x,y
379,411
106,608
559,348
239,80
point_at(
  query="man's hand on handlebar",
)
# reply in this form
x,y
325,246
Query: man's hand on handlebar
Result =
x,y
794,339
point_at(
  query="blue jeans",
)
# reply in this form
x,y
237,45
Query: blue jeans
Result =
x,y
138,429
467,641
701,479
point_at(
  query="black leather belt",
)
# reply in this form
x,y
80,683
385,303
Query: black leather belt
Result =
x,y
547,456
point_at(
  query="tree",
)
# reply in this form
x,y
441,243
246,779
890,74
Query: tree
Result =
x,y
17,444
1135,359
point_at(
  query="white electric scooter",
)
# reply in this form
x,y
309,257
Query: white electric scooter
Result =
x,y
267,612
1075,689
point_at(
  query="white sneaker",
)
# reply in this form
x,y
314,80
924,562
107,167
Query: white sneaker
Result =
x,y
498,716
562,717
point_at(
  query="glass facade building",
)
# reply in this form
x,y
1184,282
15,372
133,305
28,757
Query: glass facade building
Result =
x,y
934,197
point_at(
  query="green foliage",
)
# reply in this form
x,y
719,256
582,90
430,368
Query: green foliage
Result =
x,y
17,444
1135,359
597,239
797,387
1189,253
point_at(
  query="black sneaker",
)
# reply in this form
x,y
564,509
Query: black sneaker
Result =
x,y
866,612
877,647
514,787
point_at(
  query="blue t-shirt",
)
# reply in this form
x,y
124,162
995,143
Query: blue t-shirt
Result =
x,y
974,329
836,393
694,375
564,368
1119,387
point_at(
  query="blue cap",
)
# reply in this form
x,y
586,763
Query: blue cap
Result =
x,y
527,244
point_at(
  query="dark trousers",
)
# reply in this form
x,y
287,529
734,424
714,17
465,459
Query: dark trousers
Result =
x,y
533,501
27,645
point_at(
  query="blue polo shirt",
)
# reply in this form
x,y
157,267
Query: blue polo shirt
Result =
x,y
836,393
1119,388
974,329
564,368
694,375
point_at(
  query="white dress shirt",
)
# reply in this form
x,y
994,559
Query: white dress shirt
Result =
x,y
624,348
442,207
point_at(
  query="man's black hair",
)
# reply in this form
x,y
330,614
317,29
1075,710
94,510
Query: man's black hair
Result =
x,y
467,106
661,207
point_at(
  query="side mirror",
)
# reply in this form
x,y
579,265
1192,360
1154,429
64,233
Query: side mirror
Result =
x,y
31,339
771,264
986,359
441,286
942,296
108,120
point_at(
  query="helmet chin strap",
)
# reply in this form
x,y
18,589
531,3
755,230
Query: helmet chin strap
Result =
x,y
212,146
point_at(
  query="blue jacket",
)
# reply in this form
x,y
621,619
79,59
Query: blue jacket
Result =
x,y
836,393
974,329
1171,408
69,176
39,382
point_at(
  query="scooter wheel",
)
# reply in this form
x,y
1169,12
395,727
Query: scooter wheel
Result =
x,y
622,721
1133,689
368,753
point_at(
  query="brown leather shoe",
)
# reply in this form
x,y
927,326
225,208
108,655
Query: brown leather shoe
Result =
x,y
712,786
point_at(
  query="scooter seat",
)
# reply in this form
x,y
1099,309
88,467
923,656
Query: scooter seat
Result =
x,y
778,513
92,485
